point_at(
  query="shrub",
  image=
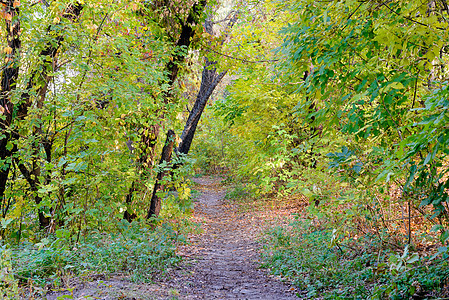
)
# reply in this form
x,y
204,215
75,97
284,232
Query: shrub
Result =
x,y
311,259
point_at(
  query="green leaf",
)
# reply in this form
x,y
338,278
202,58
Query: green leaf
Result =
x,y
413,258
6,222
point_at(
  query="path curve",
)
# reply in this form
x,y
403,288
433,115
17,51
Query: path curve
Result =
x,y
222,262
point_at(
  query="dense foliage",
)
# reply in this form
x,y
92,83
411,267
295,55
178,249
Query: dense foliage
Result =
x,y
305,255
341,104
344,103
87,91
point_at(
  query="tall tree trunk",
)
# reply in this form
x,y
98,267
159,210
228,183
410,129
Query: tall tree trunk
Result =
x,y
209,81
164,163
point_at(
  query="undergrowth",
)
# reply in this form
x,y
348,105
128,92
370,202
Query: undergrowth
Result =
x,y
134,250
238,193
309,257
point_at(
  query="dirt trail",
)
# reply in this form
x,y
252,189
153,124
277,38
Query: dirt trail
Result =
x,y
222,262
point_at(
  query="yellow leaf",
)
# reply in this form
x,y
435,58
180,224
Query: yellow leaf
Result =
x,y
430,55
7,50
16,3
56,20
396,85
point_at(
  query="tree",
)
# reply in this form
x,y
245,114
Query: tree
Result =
x,y
73,96
9,78
187,29
357,87
210,78
377,67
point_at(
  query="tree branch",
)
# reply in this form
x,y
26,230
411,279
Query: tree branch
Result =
x,y
408,18
241,59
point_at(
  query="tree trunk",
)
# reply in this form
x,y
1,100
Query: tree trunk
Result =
x,y
8,84
172,67
147,144
129,215
209,81
164,163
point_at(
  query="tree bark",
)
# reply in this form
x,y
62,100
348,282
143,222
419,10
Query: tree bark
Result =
x,y
164,163
209,81
129,216
8,85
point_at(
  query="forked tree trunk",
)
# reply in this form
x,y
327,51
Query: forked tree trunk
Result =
x,y
209,81
184,41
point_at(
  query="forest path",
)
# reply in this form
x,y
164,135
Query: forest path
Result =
x,y
222,262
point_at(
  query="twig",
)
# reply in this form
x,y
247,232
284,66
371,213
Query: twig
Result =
x,y
409,221
414,93
241,59
408,18
349,17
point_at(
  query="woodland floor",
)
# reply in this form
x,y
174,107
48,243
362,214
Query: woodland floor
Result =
x,y
222,262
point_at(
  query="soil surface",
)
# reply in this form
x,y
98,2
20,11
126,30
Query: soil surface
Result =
x,y
221,262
